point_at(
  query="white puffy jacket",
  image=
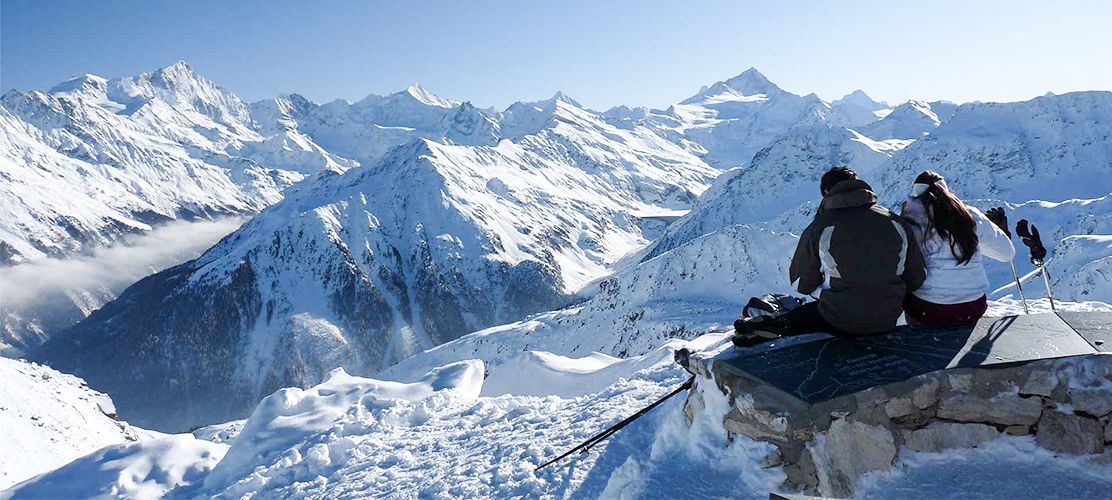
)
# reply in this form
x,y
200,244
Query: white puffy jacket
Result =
x,y
948,282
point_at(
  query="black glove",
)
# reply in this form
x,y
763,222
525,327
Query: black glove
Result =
x,y
1030,237
996,215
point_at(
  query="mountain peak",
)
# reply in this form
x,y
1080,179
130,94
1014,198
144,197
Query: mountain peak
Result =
x,y
560,96
177,77
424,96
860,98
545,104
176,71
751,82
77,84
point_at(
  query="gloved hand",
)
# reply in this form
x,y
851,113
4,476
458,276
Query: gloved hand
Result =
x,y
1031,238
997,216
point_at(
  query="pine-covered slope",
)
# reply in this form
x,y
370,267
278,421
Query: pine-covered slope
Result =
x,y
363,269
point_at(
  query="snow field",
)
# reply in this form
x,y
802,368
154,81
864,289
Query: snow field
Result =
x,y
139,471
48,418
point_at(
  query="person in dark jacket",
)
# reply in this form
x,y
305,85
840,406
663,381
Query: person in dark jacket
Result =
x,y
856,258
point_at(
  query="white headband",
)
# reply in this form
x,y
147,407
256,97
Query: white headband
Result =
x,y
918,188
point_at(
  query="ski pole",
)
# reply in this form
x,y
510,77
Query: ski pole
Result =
x,y
1019,286
1030,237
1046,280
600,437
997,216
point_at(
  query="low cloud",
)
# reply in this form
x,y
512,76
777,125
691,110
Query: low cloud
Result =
x,y
112,268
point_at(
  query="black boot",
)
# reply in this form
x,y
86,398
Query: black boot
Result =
x,y
749,332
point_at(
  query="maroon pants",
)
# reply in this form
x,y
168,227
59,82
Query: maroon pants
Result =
x,y
921,312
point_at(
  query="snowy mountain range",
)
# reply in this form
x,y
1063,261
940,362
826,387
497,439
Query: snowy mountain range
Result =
x,y
584,247
547,226
129,153
360,270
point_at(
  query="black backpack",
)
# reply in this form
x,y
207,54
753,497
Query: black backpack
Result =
x,y
771,305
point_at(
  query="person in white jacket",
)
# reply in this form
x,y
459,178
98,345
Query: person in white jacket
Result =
x,y
954,238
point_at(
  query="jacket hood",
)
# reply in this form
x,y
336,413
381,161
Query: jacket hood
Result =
x,y
851,193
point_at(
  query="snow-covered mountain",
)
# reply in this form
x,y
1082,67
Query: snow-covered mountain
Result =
x,y
731,121
133,152
1053,148
504,214
94,159
363,269
1057,149
93,163
728,122
857,108
910,120
366,130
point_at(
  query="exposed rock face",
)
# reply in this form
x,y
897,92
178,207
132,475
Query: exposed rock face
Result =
x,y
1094,401
939,436
1072,434
1007,409
825,446
850,450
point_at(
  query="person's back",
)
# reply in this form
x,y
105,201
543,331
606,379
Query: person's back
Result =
x,y
954,239
860,258
857,258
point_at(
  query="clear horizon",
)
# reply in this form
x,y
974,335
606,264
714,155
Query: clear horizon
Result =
x,y
634,53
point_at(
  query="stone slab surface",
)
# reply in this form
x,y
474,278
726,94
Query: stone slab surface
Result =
x,y
1094,327
829,368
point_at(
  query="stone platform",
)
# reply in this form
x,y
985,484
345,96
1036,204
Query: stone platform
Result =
x,y
920,388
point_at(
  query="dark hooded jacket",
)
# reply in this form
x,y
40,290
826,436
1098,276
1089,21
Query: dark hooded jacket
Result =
x,y
859,259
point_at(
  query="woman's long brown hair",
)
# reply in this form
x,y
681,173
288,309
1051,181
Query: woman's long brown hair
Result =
x,y
947,215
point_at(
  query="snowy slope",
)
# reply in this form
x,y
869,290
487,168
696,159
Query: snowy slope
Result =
x,y
144,470
363,269
1081,268
437,433
1073,231
697,287
50,418
779,182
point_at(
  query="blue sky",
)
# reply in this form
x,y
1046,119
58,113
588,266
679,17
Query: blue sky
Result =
x,y
602,53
